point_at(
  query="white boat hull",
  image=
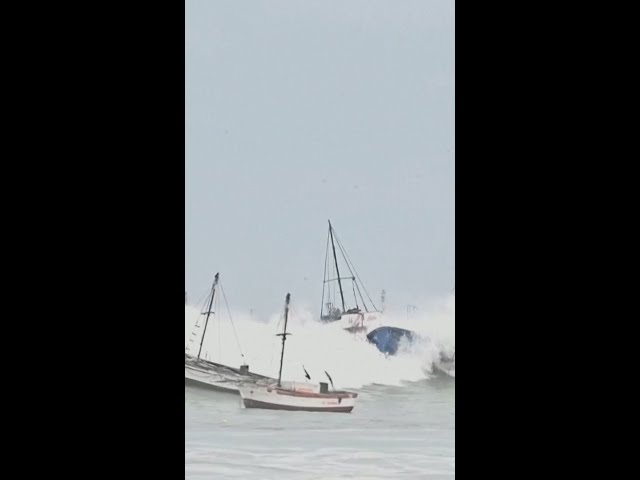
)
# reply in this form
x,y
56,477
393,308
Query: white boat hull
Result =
x,y
209,380
272,398
218,377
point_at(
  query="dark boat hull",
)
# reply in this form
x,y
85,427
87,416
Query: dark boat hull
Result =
x,y
388,340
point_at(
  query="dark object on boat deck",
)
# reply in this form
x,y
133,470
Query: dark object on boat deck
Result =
x,y
330,379
244,369
324,387
306,374
387,339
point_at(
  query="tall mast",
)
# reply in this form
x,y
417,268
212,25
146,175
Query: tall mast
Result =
x,y
284,335
335,258
213,294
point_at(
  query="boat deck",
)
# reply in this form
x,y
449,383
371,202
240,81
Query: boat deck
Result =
x,y
220,377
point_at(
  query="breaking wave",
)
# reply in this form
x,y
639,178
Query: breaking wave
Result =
x,y
351,361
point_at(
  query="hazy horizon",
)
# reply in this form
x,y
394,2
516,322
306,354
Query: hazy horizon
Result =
x,y
300,112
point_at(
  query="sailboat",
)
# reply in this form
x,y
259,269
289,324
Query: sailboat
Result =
x,y
292,396
204,373
357,316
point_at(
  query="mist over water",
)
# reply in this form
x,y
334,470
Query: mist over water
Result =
x,y
351,361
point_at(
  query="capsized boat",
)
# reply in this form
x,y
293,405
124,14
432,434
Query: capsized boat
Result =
x,y
204,373
388,340
293,396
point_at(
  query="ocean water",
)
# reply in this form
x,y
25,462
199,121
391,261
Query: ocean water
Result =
x,y
394,432
403,425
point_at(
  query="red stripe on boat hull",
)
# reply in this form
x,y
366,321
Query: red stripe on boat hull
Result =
x,y
270,406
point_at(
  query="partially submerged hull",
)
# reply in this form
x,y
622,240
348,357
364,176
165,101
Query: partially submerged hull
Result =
x,y
275,398
391,340
388,340
219,377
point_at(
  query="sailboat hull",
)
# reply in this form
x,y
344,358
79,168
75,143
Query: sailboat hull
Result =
x,y
272,398
250,403
218,377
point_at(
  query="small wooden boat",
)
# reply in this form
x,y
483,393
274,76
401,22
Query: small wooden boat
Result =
x,y
292,396
277,398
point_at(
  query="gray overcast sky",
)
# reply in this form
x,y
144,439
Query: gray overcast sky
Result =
x,y
300,111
